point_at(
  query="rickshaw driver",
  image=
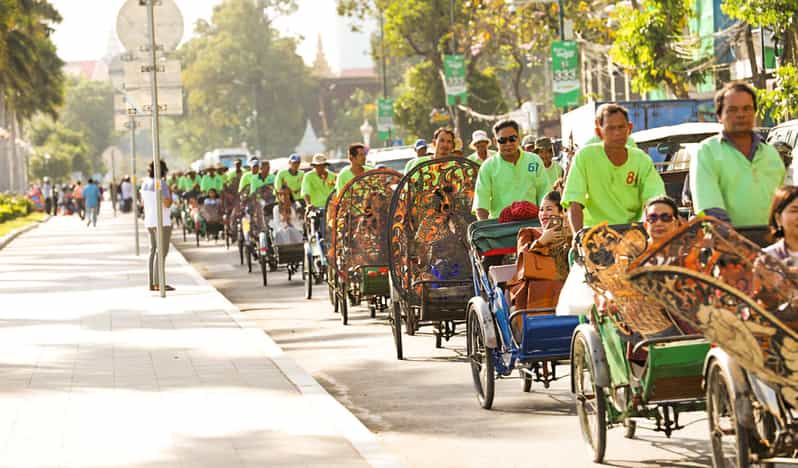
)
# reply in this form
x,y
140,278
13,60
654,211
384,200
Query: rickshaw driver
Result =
x,y
357,166
237,173
610,181
291,177
734,175
211,180
545,149
260,179
514,175
243,184
318,184
443,139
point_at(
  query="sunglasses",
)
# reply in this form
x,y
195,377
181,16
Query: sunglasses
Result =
x,y
664,217
509,139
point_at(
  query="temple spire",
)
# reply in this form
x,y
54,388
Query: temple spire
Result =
x,y
320,66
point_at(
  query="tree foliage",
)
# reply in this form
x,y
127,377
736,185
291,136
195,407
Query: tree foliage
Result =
x,y
67,149
31,79
648,43
243,83
780,16
89,111
782,102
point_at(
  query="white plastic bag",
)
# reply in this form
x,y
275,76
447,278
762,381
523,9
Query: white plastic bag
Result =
x,y
576,297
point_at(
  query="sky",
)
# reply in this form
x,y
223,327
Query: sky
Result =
x,y
83,36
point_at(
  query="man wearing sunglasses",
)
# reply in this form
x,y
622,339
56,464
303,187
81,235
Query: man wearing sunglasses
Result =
x,y
610,181
513,176
735,175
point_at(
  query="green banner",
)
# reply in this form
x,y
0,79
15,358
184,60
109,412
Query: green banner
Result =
x,y
565,66
384,118
455,74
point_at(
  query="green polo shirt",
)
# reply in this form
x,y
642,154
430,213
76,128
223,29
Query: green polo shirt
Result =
x,y
554,172
722,177
230,175
189,183
500,183
345,176
475,157
256,182
615,194
595,139
415,162
317,188
244,182
294,182
209,182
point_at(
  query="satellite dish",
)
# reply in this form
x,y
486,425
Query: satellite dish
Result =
x,y
131,25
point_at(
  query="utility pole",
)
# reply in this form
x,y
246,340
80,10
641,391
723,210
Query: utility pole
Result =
x,y
384,67
156,147
134,181
455,114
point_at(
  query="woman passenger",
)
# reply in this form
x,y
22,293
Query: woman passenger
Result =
x,y
783,223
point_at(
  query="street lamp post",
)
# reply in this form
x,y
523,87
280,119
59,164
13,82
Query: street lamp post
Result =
x,y
366,130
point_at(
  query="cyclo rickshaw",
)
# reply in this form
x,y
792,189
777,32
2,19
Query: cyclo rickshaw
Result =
x,y
315,268
499,338
255,229
430,272
632,359
359,243
208,220
720,282
285,241
231,209
329,221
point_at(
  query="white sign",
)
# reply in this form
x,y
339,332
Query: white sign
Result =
x,y
138,75
122,122
131,25
139,101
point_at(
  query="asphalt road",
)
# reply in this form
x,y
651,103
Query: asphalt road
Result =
x,y
423,409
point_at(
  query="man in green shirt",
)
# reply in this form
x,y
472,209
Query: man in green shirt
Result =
x,y
734,175
443,138
291,177
254,168
211,180
545,149
480,143
357,166
193,182
610,182
256,181
512,175
237,172
318,184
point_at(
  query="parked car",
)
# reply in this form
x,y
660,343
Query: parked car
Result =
x,y
395,157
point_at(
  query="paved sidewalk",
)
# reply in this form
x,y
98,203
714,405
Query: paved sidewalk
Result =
x,y
96,370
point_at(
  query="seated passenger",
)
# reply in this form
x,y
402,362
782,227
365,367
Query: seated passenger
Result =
x,y
783,223
211,207
286,224
552,239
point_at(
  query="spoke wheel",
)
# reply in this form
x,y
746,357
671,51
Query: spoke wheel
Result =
x,y
343,307
730,441
308,276
396,328
264,270
591,405
481,358
249,257
527,382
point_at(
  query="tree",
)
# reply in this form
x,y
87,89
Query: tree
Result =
x,y
31,79
89,111
782,102
780,16
243,82
649,43
68,150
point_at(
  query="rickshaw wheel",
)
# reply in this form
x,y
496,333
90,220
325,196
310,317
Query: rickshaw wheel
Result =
x,y
396,328
343,306
590,402
481,358
241,249
249,258
735,451
184,231
227,238
264,272
308,273
197,236
630,426
439,335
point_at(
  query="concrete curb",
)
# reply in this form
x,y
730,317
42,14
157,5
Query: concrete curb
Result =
x,y
358,435
5,240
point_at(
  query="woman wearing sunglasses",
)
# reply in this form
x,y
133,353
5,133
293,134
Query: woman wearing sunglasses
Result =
x,y
661,218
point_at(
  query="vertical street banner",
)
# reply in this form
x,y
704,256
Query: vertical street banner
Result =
x,y
384,118
565,67
455,74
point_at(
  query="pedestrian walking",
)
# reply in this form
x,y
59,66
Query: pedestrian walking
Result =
x,y
47,194
77,196
91,200
149,201
126,187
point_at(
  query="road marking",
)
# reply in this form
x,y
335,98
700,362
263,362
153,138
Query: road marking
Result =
x,y
358,435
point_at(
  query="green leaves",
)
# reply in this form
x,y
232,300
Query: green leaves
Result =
x,y
782,101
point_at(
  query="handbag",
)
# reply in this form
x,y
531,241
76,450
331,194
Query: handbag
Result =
x,y
538,266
